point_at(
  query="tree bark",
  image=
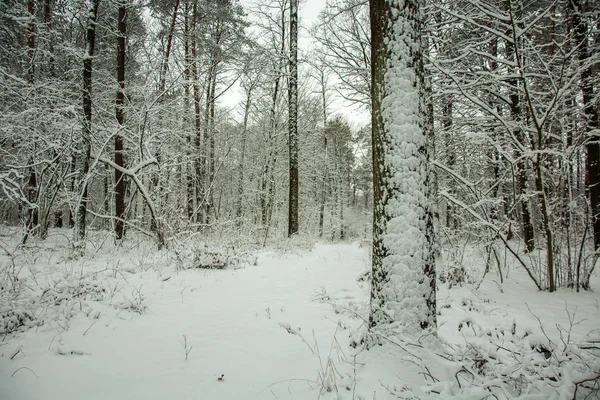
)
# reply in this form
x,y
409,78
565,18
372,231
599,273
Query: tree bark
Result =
x,y
120,115
90,41
198,159
32,182
325,160
403,271
519,136
186,108
592,163
293,121
240,188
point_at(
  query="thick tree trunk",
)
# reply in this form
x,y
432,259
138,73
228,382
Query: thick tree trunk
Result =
x,y
293,121
403,273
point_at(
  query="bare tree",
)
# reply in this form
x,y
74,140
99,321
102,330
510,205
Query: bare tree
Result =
x,y
293,121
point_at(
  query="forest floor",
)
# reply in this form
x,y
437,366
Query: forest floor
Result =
x,y
130,322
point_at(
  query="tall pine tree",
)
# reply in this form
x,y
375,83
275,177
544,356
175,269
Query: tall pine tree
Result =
x,y
403,282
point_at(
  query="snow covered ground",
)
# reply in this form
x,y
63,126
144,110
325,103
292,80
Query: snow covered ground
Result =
x,y
128,323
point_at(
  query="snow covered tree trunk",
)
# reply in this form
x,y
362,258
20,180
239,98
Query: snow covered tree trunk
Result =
x,y
403,274
293,121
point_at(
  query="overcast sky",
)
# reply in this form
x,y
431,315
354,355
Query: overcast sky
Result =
x,y
309,11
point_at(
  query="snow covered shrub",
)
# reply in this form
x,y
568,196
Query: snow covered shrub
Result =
x,y
453,271
221,258
12,320
72,289
502,364
210,260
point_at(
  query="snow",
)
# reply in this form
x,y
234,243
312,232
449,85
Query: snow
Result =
x,y
287,326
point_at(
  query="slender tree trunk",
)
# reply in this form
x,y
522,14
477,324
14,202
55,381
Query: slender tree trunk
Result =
x,y
580,8
521,167
267,175
447,108
198,120
119,153
240,188
87,119
72,170
293,121
47,21
32,182
186,105
325,161
165,63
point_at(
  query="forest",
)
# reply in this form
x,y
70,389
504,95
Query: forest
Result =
x,y
445,152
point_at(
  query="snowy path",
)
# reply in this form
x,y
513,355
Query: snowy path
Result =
x,y
231,318
273,329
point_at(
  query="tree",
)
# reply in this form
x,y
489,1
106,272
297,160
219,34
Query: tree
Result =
x,y
293,121
403,271
343,32
119,156
582,10
86,142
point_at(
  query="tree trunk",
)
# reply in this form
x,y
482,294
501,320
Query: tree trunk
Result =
x,y
86,150
165,63
325,160
592,161
32,182
119,156
240,188
293,121
403,272
198,159
186,108
521,168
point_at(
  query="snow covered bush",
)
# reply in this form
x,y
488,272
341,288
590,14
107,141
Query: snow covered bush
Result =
x,y
505,364
221,258
13,319
453,271
84,289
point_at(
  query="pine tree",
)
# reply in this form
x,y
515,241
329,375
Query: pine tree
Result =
x,y
403,271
